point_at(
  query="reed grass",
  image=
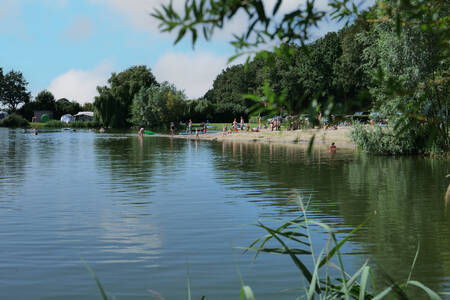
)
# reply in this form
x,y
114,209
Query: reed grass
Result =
x,y
294,238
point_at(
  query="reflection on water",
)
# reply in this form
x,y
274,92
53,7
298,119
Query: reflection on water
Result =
x,y
138,210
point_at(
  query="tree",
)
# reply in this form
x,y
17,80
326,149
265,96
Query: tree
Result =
x,y
13,91
158,105
409,84
419,101
64,106
45,101
88,107
113,104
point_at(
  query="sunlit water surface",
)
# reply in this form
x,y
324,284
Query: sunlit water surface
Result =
x,y
143,213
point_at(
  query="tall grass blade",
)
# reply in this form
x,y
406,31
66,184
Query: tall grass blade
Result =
x,y
413,264
99,285
296,221
336,251
277,250
383,294
433,295
294,258
363,284
315,277
352,280
188,282
341,243
247,292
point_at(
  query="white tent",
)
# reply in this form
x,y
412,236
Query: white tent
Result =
x,y
84,116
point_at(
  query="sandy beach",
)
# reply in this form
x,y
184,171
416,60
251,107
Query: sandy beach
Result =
x,y
341,137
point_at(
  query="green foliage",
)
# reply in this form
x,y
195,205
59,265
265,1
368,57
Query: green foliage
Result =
x,y
227,89
55,124
45,101
64,106
264,24
14,120
113,105
384,140
157,106
83,124
410,73
13,89
398,51
87,107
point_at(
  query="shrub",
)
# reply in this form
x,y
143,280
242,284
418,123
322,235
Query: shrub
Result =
x,y
254,119
56,124
383,140
83,124
14,120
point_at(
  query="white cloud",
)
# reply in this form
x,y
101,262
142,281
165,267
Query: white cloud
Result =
x,y
80,85
194,73
80,29
138,12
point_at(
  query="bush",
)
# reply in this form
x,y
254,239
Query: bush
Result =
x,y
254,119
383,140
83,124
14,120
56,124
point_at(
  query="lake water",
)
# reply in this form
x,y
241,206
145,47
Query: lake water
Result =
x,y
142,212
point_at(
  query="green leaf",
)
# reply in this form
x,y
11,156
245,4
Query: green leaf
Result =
x,y
277,250
180,35
433,295
276,7
294,258
247,292
342,242
97,281
363,284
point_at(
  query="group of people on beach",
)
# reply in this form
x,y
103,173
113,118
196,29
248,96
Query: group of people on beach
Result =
x,y
274,124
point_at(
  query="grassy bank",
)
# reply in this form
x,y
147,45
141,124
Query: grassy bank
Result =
x,y
59,124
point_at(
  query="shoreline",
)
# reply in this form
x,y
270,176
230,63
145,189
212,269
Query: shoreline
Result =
x,y
341,137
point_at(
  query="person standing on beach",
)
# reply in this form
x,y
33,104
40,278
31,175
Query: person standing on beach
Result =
x,y
242,123
234,124
259,122
190,126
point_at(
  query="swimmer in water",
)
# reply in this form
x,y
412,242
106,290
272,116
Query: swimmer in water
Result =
x,y
141,132
332,148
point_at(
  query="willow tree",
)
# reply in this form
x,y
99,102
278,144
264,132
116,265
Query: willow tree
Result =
x,y
113,105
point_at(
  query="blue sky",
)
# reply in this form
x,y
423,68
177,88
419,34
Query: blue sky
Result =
x,y
71,46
